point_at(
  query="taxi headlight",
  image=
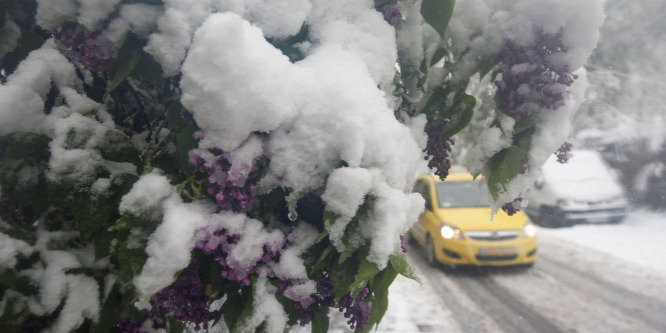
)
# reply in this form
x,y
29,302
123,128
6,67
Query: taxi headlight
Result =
x,y
529,230
450,231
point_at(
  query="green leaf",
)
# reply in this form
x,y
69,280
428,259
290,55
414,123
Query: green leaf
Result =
x,y
11,320
91,213
523,125
523,139
128,57
130,258
174,325
343,276
238,308
117,147
438,55
486,67
9,279
110,312
150,70
184,133
380,2
320,320
125,67
27,146
289,306
28,42
366,271
462,119
423,68
399,263
437,13
380,291
34,197
185,142
321,262
96,212
102,241
503,168
130,262
288,46
174,117
350,249
436,102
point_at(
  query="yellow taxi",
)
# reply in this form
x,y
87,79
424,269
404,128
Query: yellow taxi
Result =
x,y
456,227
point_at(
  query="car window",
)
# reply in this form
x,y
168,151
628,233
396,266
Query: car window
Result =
x,y
426,195
462,194
417,186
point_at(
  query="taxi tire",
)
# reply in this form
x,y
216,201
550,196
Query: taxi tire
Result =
x,y
552,217
430,252
409,238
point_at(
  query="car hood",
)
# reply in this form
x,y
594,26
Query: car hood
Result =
x,y
478,218
589,189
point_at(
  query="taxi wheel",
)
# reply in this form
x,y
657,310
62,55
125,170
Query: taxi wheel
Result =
x,y
552,217
430,249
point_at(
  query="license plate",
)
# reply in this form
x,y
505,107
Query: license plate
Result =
x,y
597,219
496,251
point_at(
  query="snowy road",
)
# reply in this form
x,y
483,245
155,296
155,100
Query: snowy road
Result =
x,y
588,278
556,295
583,281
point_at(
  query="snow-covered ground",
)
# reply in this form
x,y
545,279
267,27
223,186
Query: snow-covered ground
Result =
x,y
638,241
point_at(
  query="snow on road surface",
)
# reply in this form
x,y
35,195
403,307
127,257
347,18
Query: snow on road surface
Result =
x,y
641,239
573,286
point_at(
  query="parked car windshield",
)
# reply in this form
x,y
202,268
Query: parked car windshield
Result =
x,y
454,194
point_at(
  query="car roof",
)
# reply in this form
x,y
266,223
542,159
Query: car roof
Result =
x,y
457,173
460,176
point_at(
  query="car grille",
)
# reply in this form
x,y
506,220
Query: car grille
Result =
x,y
495,235
496,258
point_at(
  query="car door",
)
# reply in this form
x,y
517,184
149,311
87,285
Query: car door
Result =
x,y
427,220
420,228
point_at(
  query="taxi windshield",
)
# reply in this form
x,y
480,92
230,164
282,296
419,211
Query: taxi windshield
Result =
x,y
457,194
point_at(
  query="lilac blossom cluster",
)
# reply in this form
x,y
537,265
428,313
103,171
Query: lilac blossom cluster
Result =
x,y
438,149
357,310
391,12
230,192
513,207
185,299
93,52
219,244
324,297
127,325
402,244
562,153
529,78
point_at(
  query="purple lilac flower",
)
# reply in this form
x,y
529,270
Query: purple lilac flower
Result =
x,y
391,12
357,310
513,207
83,47
563,153
524,169
185,299
438,149
221,242
323,298
189,118
529,78
127,325
231,192
402,244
